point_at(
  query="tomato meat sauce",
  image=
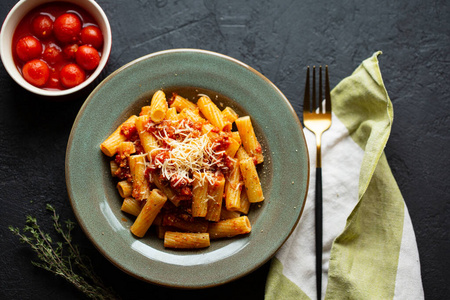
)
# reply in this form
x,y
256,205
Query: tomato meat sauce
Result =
x,y
57,46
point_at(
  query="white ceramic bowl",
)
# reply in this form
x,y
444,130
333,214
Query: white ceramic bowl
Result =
x,y
15,16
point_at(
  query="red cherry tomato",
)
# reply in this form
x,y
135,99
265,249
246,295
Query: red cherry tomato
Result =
x,y
91,35
87,57
70,50
36,72
42,26
53,81
52,55
71,75
28,48
67,27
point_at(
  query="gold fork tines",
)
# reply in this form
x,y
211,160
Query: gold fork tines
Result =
x,y
317,118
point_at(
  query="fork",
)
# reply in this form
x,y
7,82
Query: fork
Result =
x,y
317,120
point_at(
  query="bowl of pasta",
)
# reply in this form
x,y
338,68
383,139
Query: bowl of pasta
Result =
x,y
197,170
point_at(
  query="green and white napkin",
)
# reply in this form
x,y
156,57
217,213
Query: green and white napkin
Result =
x,y
369,245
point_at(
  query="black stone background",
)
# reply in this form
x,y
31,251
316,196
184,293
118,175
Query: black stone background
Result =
x,y
278,38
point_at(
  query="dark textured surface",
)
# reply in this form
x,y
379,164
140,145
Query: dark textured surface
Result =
x,y
278,38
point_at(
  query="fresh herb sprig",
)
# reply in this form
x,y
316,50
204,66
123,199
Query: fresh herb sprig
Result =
x,y
63,258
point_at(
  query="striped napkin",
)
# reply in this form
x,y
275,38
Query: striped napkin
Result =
x,y
369,245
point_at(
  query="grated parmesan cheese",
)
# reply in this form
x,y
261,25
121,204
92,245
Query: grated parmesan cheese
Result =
x,y
185,154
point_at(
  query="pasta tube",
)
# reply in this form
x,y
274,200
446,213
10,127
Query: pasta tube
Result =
x,y
126,149
180,103
229,227
215,195
245,204
141,187
158,106
233,187
199,195
145,110
250,177
241,154
125,188
191,114
113,166
210,131
183,240
213,114
148,213
249,140
148,140
111,144
131,206
235,135
229,114
172,114
233,147
167,190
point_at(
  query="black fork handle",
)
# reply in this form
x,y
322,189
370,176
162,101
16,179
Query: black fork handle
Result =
x,y
318,215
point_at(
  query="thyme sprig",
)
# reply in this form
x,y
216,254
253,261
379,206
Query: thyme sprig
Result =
x,y
63,258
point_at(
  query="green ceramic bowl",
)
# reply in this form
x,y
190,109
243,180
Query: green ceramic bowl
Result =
x,y
284,174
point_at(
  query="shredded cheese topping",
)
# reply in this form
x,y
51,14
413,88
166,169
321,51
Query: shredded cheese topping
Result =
x,y
185,154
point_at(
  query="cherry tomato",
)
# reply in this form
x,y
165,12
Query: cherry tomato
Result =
x,y
53,81
42,26
71,75
70,50
36,72
87,57
67,27
52,54
91,35
28,48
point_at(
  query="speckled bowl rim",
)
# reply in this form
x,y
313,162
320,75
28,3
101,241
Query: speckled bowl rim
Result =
x,y
95,201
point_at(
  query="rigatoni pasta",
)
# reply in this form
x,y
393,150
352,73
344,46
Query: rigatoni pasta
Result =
x,y
200,188
249,140
230,227
158,106
140,185
148,213
184,240
131,206
215,198
125,188
183,170
233,187
111,144
180,103
147,140
251,180
172,114
229,114
213,114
